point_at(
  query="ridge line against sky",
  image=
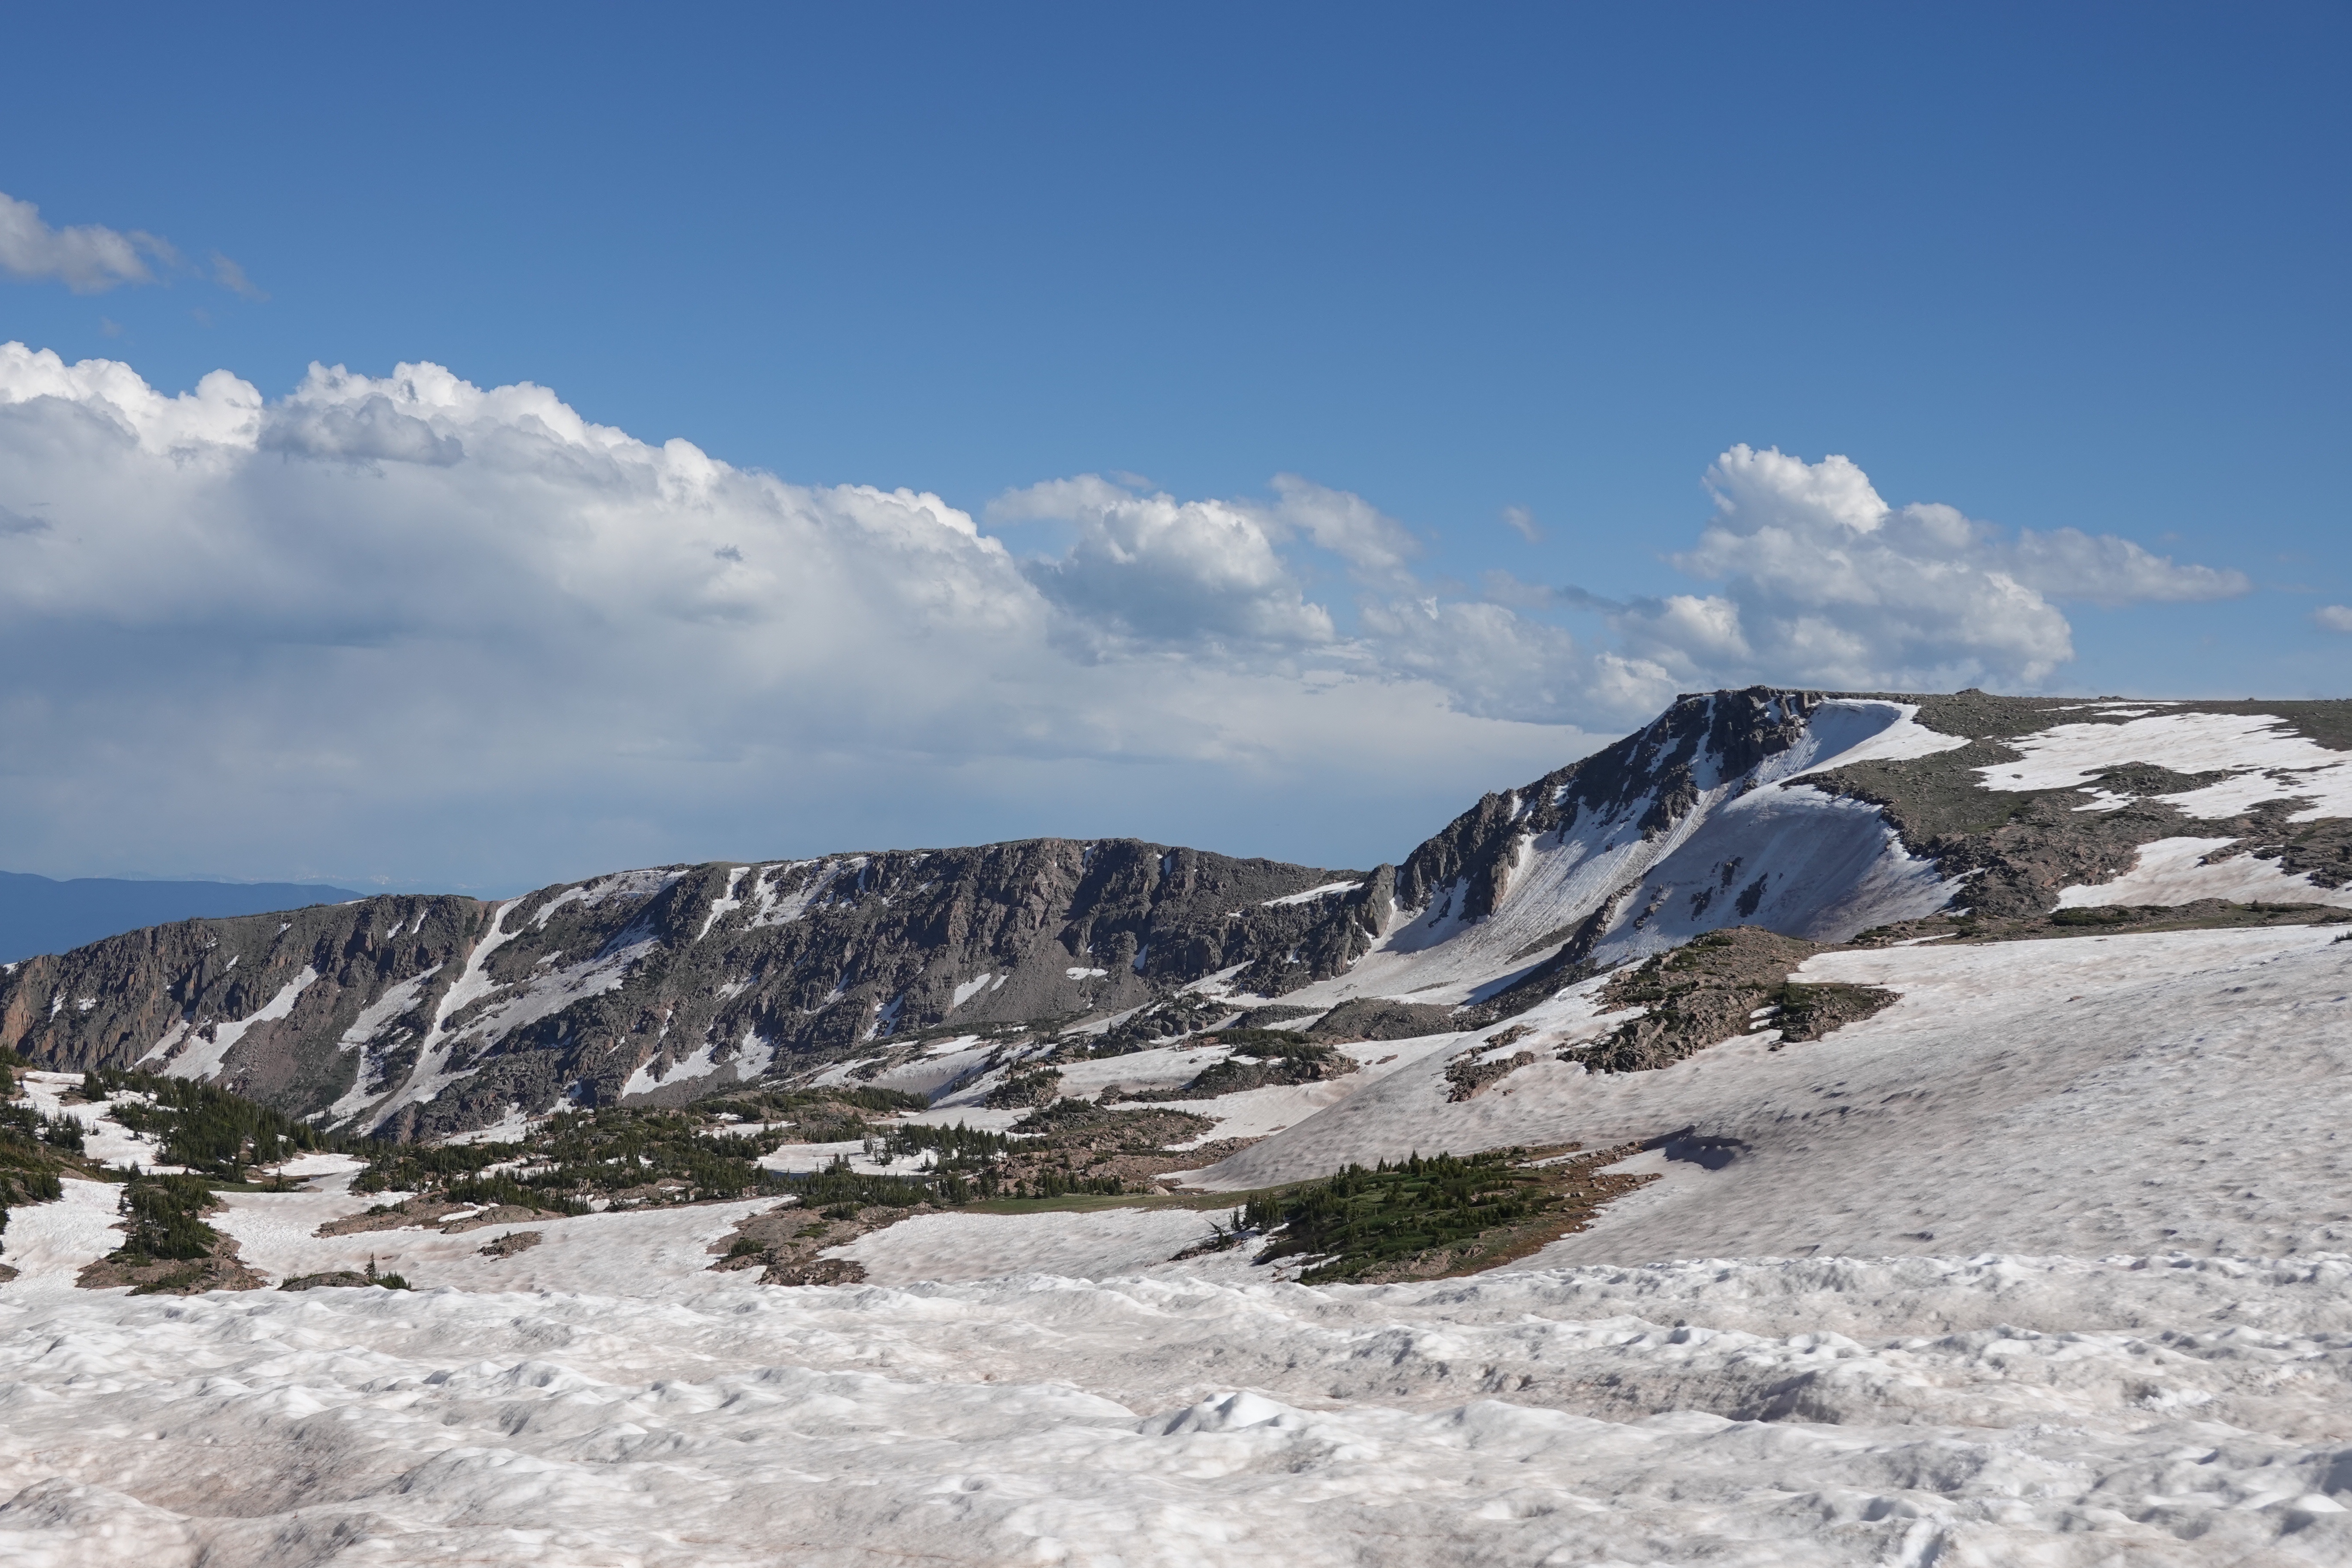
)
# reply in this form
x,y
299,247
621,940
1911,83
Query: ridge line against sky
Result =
x,y
1262,431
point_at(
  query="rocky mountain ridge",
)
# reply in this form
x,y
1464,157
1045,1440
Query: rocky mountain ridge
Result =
x,y
1815,815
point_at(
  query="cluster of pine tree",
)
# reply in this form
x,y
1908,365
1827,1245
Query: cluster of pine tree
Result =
x,y
29,1145
197,1125
1359,1219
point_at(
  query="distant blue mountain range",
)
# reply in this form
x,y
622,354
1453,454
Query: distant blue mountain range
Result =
x,y
37,915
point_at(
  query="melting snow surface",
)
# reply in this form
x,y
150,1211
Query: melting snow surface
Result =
x,y
1988,1412
2085,1095
2264,758
2018,1313
2169,871
1328,890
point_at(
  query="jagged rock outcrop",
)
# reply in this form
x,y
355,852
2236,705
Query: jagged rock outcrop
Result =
x,y
419,1015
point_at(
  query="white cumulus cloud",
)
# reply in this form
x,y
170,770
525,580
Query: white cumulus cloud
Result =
x,y
1825,584
412,627
408,625
2335,617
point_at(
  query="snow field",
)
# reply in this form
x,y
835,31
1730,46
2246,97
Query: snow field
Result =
x,y
2082,1096
104,1138
2265,761
1993,1411
2167,872
1098,1243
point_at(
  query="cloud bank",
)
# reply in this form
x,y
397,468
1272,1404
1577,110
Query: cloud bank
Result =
x,y
406,626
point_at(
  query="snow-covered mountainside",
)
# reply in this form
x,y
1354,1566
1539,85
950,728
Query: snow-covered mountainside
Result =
x,y
1940,1098
1816,816
420,1016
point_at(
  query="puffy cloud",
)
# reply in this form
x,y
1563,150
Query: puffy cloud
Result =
x,y
1375,545
1497,663
408,625
91,259
2335,617
1522,521
1825,584
1152,569
2068,564
84,257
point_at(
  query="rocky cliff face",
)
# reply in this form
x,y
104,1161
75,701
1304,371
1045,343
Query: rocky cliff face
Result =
x,y
422,1015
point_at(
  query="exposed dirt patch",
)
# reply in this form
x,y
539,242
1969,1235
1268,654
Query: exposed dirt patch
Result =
x,y
1075,1141
1078,1125
2105,920
332,1279
497,1214
1024,1088
224,1270
783,1243
1468,1077
420,1213
1809,1012
1712,988
509,1243
1373,1018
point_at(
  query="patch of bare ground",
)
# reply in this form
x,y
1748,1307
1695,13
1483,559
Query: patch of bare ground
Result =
x,y
1469,1076
223,1270
2101,920
509,1243
429,1214
331,1279
1718,985
1434,1218
1074,1148
784,1243
420,1213
167,1249
1260,1059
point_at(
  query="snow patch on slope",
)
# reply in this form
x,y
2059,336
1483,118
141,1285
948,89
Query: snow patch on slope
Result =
x,y
2173,871
1328,890
434,1071
1819,865
2266,760
724,902
2082,1095
201,1056
782,907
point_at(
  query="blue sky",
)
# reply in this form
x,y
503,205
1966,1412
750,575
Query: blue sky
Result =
x,y
2057,269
